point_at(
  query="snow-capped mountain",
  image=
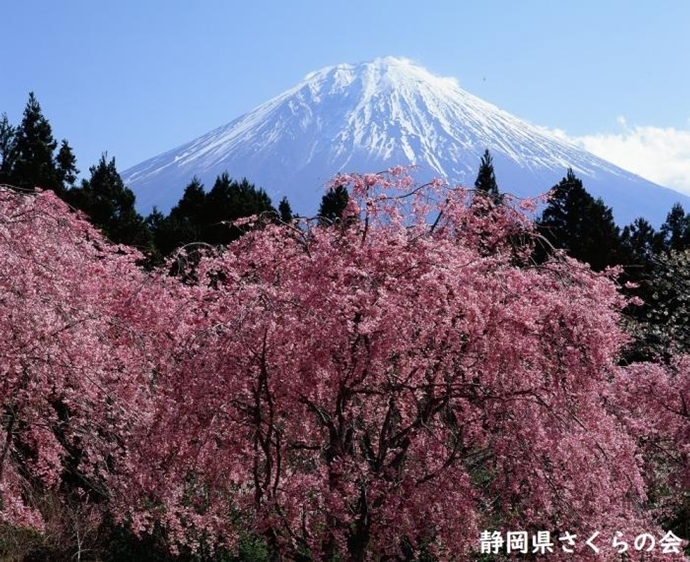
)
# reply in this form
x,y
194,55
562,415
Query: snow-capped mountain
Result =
x,y
371,116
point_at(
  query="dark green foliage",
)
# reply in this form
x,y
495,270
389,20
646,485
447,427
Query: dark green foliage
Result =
x,y
191,206
28,158
170,234
486,178
333,204
110,205
184,223
658,264
641,241
32,159
227,201
122,544
7,152
675,231
660,327
206,218
27,153
579,224
670,302
117,542
66,164
486,199
285,211
641,245
156,223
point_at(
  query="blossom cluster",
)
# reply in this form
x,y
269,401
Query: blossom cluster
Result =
x,y
389,384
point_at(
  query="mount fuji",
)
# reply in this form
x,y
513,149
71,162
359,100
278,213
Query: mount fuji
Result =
x,y
371,116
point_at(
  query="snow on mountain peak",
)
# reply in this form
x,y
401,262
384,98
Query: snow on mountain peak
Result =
x,y
374,115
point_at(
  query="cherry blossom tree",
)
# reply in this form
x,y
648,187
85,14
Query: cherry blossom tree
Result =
x,y
386,386
655,399
76,377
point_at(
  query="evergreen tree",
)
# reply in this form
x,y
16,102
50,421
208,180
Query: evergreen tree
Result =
x,y
202,217
155,220
157,224
641,241
285,211
675,231
227,201
641,247
660,270
110,205
486,178
66,165
191,206
185,222
8,140
333,204
485,199
581,225
33,163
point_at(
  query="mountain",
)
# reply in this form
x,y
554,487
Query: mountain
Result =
x,y
371,116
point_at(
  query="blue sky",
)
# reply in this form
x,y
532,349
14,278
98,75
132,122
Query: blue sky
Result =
x,y
136,78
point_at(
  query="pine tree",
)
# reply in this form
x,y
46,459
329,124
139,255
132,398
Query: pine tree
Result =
x,y
581,225
185,222
285,211
641,247
486,178
157,224
641,241
202,217
110,205
675,231
333,204
191,205
227,201
8,140
66,165
485,201
33,163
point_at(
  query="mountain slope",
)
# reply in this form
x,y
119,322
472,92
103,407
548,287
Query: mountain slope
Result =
x,y
371,116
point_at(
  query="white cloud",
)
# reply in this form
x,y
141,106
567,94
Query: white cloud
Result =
x,y
661,155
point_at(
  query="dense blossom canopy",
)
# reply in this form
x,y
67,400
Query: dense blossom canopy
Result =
x,y
393,383
80,341
399,381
